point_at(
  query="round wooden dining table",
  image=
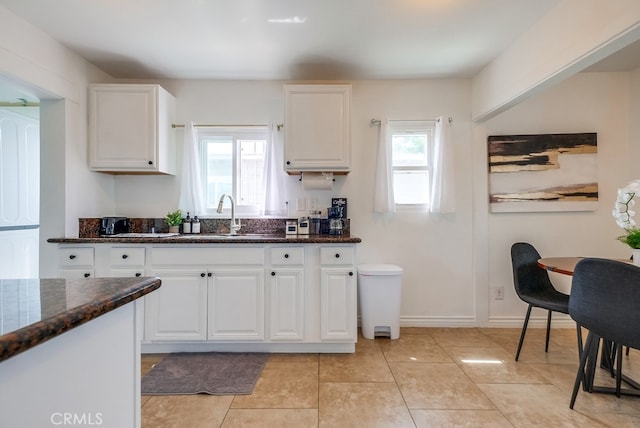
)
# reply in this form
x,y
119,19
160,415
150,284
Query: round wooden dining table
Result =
x,y
565,265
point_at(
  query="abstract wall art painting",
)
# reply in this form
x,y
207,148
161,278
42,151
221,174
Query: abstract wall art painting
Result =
x,y
544,172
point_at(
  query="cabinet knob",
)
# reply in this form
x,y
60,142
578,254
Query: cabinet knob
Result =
x,y
273,274
209,274
337,255
286,256
87,275
138,274
288,162
72,256
124,256
350,273
202,274
150,162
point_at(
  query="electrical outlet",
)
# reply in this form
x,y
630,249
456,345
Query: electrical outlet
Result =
x,y
301,204
498,293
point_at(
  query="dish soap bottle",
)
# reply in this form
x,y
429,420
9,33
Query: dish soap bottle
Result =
x,y
186,224
195,225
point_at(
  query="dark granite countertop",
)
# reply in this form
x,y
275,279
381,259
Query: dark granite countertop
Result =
x,y
248,238
33,311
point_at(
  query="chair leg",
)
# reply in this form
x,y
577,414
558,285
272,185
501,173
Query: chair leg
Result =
x,y
580,347
619,369
580,375
546,343
592,361
608,355
524,330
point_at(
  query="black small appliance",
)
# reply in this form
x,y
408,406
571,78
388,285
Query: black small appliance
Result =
x,y
114,225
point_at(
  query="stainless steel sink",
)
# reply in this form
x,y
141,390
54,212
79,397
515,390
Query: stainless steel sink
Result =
x,y
143,235
227,236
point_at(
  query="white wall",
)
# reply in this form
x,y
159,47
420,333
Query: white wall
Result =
x,y
435,251
60,78
572,36
588,102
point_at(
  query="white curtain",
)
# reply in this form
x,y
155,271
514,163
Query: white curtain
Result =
x,y
191,195
274,192
383,201
442,186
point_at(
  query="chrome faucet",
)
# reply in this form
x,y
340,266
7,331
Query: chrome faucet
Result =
x,y
235,225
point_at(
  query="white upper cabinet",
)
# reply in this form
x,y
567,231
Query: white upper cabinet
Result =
x,y
317,128
130,129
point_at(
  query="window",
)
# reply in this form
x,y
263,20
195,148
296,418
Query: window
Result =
x,y
233,163
411,154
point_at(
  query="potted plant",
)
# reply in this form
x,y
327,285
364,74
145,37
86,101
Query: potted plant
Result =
x,y
174,219
624,217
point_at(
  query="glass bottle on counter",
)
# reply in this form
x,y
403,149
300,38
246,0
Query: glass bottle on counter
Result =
x,y
186,224
314,222
195,225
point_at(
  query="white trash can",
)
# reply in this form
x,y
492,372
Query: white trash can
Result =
x,y
379,289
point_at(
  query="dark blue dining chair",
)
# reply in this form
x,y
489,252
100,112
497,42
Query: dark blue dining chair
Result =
x,y
533,286
605,299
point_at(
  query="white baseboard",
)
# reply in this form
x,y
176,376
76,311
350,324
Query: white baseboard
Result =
x,y
557,321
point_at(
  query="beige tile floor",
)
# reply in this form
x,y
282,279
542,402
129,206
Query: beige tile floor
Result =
x,y
427,378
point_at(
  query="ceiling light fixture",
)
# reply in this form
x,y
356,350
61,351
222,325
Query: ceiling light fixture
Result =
x,y
293,20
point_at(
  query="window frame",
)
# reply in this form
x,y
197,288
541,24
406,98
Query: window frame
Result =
x,y
236,134
407,127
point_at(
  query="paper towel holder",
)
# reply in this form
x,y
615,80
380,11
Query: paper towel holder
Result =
x,y
323,173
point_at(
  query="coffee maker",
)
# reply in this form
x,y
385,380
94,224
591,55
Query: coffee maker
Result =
x,y
337,215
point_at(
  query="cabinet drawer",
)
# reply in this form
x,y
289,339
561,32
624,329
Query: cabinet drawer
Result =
x,y
336,256
73,257
77,273
207,256
287,256
126,257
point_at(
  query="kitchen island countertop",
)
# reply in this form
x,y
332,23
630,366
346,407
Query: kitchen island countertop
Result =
x,y
36,310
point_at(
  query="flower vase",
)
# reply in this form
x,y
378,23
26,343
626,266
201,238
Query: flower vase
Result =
x,y
636,256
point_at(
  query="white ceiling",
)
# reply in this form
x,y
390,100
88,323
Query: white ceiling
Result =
x,y
284,39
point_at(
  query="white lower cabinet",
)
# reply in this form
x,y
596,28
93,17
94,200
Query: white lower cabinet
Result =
x,y
287,287
178,309
286,304
127,261
76,262
236,304
264,298
338,294
338,318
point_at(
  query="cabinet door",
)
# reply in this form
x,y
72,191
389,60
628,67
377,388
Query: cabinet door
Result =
x,y
286,304
122,126
317,128
236,304
337,304
129,129
178,309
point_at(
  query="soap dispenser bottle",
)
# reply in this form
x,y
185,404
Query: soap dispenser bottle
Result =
x,y
186,224
195,225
